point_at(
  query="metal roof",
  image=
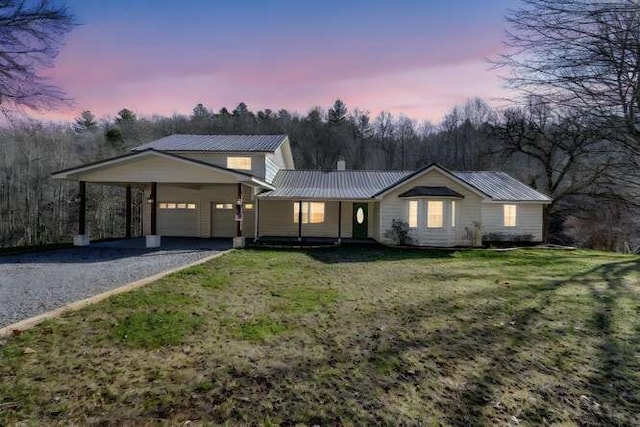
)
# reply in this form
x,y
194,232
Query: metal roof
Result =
x,y
332,184
224,143
423,191
366,184
501,187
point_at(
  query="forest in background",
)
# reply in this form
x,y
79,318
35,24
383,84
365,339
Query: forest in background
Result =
x,y
561,155
572,130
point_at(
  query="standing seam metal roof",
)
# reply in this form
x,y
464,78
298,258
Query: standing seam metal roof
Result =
x,y
365,184
501,187
224,143
332,184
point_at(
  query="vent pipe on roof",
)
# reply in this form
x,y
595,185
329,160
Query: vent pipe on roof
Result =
x,y
342,165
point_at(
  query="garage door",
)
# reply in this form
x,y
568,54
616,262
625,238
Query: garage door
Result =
x,y
178,219
222,219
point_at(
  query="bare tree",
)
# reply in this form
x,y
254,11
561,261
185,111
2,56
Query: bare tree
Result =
x,y
31,33
561,155
583,55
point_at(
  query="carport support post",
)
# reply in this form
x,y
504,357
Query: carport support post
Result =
x,y
82,239
300,221
238,241
153,240
127,233
339,222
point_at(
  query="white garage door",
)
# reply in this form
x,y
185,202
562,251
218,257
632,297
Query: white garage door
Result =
x,y
222,219
178,219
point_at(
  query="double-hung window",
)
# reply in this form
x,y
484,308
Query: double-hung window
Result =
x,y
510,215
435,213
312,212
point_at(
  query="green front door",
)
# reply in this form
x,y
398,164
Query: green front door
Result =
x,y
360,220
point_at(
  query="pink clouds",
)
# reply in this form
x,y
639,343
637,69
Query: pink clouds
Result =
x,y
420,77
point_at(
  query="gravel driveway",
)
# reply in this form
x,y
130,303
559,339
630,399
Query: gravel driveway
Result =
x,y
33,283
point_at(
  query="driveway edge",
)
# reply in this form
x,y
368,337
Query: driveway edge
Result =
x,y
23,325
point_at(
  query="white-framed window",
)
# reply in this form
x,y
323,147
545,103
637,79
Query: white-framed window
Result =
x,y
412,217
312,212
435,213
510,213
225,206
243,163
453,213
177,205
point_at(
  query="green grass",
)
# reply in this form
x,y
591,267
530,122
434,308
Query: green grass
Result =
x,y
345,336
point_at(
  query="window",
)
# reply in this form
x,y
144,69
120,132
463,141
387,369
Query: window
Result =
x,y
312,212
248,206
453,213
243,163
509,215
224,205
177,205
434,213
413,214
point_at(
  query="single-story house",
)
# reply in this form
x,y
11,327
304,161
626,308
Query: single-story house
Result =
x,y
246,186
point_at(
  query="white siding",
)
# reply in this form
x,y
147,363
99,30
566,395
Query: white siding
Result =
x,y
276,219
271,169
528,220
146,170
469,212
220,159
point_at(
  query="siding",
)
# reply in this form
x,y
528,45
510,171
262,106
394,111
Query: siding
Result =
x,y
469,211
528,219
276,219
146,170
220,159
271,168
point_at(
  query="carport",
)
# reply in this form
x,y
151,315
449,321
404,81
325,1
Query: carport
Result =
x,y
183,195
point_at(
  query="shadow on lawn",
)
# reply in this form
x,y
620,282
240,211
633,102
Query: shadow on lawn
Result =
x,y
373,253
510,340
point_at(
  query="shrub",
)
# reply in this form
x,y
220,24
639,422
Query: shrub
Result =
x,y
399,232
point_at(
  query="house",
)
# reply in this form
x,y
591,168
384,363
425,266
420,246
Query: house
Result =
x,y
246,186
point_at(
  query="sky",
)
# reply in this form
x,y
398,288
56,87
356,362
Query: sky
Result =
x,y
415,57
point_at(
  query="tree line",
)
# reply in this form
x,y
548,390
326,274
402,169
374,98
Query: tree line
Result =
x,y
560,155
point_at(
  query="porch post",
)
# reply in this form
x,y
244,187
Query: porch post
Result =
x,y
154,207
153,240
238,241
339,221
81,239
257,219
127,233
300,220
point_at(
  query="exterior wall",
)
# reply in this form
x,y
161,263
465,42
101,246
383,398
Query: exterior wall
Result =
x,y
468,212
271,169
276,219
146,170
204,196
220,159
528,220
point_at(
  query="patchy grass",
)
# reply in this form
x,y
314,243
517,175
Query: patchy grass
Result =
x,y
345,336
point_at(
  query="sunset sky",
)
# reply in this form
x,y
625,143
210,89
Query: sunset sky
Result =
x,y
414,57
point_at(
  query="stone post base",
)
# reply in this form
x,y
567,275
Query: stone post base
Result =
x,y
81,240
238,242
153,241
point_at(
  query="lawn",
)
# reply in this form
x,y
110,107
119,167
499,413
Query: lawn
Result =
x,y
346,336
